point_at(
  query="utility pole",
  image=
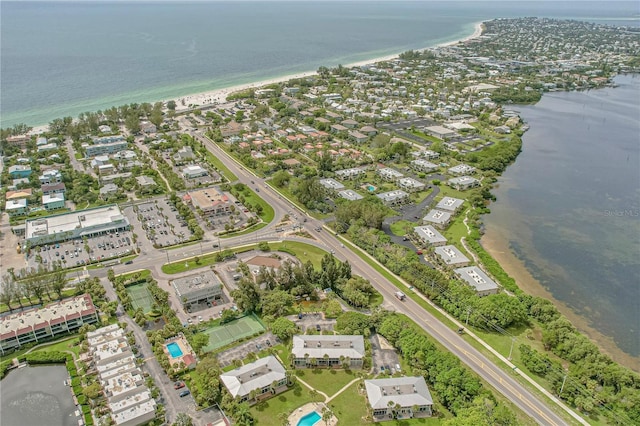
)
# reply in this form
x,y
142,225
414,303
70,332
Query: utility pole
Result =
x,y
467,321
513,339
564,380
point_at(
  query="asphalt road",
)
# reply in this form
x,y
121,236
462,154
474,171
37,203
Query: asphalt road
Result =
x,y
485,368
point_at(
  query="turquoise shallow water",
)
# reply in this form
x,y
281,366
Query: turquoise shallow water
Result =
x,y
64,58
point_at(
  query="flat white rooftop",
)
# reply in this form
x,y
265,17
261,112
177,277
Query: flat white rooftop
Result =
x,y
70,222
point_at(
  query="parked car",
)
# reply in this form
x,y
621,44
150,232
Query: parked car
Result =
x,y
185,393
128,262
318,328
178,385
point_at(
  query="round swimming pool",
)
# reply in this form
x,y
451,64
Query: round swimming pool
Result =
x,y
309,419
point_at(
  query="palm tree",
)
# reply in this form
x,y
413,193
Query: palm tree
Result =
x,y
326,359
326,416
274,386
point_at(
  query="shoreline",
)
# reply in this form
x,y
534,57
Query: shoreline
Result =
x,y
218,96
498,247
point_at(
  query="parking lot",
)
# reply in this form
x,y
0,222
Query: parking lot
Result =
x,y
78,252
384,358
244,349
313,322
161,222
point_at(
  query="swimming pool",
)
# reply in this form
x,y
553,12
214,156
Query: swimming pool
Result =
x,y
174,350
309,419
371,188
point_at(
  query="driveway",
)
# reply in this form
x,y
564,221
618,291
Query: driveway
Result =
x,y
382,354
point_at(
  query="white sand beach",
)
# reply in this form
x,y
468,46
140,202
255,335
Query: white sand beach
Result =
x,y
219,96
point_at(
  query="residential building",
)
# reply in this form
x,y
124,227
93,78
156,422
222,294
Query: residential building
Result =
x,y
184,155
394,198
349,194
430,155
211,201
350,173
41,324
428,235
462,169
411,184
291,163
369,130
389,174
398,398
50,176
106,169
262,378
53,188
77,224
337,128
18,194
198,288
53,201
477,279
108,189
351,124
331,184
232,128
16,207
19,171
327,351
100,160
105,140
47,147
145,181
148,128
463,183
437,218
103,148
358,137
450,204
423,165
19,140
195,171
123,383
452,257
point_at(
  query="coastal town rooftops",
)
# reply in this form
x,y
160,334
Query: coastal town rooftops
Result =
x,y
437,216
15,204
462,169
429,234
54,313
406,391
256,375
451,255
331,184
316,346
69,222
19,193
477,279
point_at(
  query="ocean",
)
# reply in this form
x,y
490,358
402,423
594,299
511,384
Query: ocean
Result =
x,y
569,208
63,58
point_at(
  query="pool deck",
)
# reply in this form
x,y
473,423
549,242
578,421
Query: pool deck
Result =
x,y
299,413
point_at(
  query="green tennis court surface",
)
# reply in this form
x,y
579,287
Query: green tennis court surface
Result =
x,y
140,297
222,335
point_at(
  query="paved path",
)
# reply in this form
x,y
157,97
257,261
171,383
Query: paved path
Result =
x,y
326,397
344,388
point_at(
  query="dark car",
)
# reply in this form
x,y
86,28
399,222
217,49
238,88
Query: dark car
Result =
x,y
128,262
185,393
318,327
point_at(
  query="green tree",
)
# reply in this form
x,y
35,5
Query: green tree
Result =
x,y
183,419
281,178
277,303
247,295
199,341
353,323
283,328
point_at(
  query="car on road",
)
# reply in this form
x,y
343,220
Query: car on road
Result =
x,y
318,328
318,229
418,252
184,393
257,190
128,262
404,238
178,385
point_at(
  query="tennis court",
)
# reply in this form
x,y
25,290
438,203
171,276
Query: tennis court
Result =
x,y
222,335
140,297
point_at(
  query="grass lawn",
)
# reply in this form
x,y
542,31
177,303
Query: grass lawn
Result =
x,y
456,231
304,252
139,275
67,345
328,381
252,228
252,198
266,412
402,227
224,170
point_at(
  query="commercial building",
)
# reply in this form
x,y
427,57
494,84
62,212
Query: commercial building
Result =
x,y
192,172
463,183
328,351
77,224
19,140
197,288
38,325
437,218
440,132
428,235
452,257
450,204
331,184
394,198
398,398
211,201
477,279
349,194
128,397
264,378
